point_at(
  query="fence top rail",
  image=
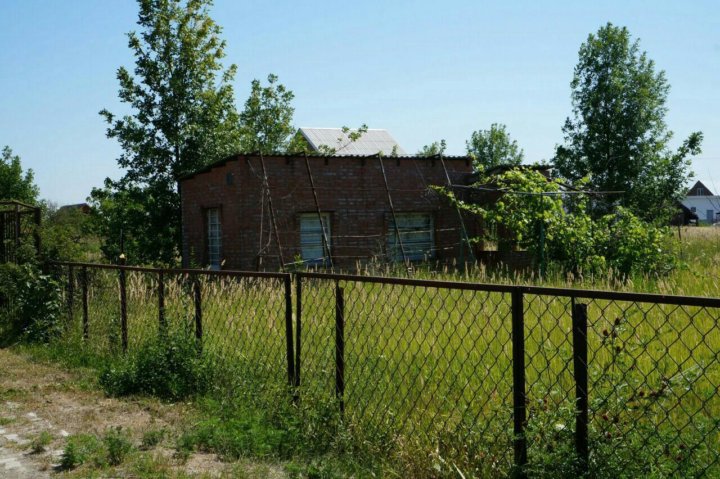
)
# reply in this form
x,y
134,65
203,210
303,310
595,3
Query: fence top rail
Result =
x,y
178,271
533,290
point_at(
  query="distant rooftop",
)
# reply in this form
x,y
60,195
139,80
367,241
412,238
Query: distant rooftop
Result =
x,y
369,143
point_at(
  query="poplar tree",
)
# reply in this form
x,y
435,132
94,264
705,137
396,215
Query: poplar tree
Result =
x,y
182,116
617,136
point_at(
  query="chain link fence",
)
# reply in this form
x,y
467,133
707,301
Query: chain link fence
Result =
x,y
488,380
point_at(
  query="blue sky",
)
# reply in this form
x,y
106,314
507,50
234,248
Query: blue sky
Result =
x,y
421,69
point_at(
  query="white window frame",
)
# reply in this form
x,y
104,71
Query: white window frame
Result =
x,y
214,237
312,245
417,233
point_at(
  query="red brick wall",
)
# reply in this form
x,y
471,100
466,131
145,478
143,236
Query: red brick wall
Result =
x,y
350,189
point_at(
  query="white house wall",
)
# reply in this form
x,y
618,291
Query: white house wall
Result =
x,y
706,207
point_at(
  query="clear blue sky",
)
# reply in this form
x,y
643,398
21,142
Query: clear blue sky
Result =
x,y
421,69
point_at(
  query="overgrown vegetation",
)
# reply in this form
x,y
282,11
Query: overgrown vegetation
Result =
x,y
416,406
169,366
109,450
531,212
30,304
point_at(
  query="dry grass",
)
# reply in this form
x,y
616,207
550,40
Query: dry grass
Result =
x,y
39,399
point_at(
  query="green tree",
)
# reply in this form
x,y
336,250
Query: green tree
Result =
x,y
182,117
493,147
266,121
14,184
68,234
617,134
435,148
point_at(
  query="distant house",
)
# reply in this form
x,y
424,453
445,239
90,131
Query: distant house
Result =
x,y
338,143
701,201
81,207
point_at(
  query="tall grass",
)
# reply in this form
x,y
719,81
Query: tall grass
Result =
x,y
429,370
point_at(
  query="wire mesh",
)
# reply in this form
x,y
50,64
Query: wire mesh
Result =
x,y
428,366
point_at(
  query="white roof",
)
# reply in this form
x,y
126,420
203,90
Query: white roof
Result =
x,y
370,143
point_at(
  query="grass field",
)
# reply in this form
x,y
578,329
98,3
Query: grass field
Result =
x,y
428,371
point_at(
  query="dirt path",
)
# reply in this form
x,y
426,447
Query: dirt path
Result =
x,y
41,406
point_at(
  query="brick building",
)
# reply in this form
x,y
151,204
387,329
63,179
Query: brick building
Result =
x,y
248,212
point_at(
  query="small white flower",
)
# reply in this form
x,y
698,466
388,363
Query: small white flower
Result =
x,y
559,426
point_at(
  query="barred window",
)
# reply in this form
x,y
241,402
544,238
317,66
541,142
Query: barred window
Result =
x,y
312,246
214,237
416,234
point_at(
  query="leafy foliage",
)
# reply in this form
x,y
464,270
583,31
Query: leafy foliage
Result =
x,y
266,121
168,367
493,147
183,116
80,448
68,234
14,184
529,213
118,445
618,136
125,221
30,303
433,149
110,450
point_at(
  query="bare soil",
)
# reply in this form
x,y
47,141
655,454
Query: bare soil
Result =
x,y
37,398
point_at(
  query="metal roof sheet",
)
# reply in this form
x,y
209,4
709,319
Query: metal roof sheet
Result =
x,y
370,143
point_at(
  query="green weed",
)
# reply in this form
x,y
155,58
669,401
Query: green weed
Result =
x,y
152,438
80,448
117,445
40,442
168,367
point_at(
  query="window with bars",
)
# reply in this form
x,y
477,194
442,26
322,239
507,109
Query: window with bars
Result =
x,y
312,244
214,237
416,236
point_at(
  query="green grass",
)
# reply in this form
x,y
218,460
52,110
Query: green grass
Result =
x,y
428,371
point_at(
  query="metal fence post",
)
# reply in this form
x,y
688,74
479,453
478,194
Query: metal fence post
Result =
x,y
197,299
85,319
519,411
340,346
161,303
289,331
298,327
123,311
71,293
580,365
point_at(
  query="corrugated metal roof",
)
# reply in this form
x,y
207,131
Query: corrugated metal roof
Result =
x,y
370,143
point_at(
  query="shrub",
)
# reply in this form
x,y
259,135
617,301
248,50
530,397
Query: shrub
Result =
x,y
117,445
168,367
634,246
29,302
83,448
80,449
